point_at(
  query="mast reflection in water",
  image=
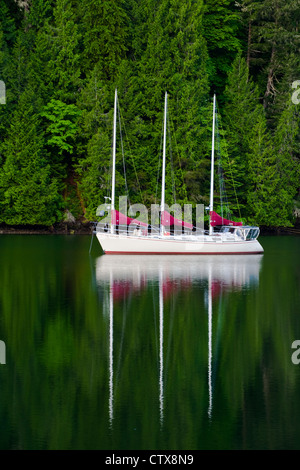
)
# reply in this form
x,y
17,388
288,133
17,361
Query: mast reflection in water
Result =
x,y
125,276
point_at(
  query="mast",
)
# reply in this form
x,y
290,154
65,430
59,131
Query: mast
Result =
x,y
113,181
111,352
210,313
162,204
161,347
211,201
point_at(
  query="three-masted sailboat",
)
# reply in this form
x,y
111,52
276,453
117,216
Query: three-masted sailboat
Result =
x,y
118,236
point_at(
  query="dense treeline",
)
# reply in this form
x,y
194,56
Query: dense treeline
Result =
x,y
61,61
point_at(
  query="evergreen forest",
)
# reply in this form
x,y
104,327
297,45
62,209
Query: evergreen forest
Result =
x,y
61,62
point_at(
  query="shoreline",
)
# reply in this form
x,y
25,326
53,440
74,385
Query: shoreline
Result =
x,y
79,228
60,229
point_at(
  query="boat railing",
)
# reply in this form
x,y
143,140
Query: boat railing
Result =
x,y
129,230
245,232
150,231
229,233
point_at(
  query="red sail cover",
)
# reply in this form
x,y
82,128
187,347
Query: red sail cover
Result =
x,y
168,220
118,218
216,219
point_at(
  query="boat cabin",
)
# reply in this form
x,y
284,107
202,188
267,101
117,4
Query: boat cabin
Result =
x,y
245,232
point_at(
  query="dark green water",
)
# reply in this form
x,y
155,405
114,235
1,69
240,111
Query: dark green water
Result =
x,y
152,353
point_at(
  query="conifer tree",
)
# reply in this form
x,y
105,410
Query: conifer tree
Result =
x,y
287,147
4,111
39,12
94,163
104,30
94,143
272,39
63,66
242,111
28,192
7,25
138,32
263,180
284,91
222,25
175,61
273,172
70,55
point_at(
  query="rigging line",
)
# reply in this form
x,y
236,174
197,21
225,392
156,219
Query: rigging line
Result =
x,y
159,163
161,347
132,159
109,184
233,184
171,162
218,336
121,349
122,148
178,155
154,304
172,314
222,188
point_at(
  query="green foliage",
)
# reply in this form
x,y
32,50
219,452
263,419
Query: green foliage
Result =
x,y
7,25
174,60
63,66
95,176
221,24
241,112
274,172
72,199
62,128
104,28
273,36
28,192
40,11
265,165
66,58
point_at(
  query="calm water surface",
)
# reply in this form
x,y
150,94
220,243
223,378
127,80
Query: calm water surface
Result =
x,y
156,353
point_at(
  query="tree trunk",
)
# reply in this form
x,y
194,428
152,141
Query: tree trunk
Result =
x,y
249,44
271,90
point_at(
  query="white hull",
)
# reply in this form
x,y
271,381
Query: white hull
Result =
x,y
189,245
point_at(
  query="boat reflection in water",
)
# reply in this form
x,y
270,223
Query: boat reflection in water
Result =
x,y
122,276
